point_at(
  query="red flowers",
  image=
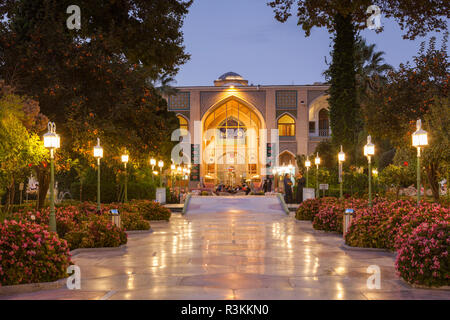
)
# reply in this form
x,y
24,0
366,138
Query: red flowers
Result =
x,y
405,163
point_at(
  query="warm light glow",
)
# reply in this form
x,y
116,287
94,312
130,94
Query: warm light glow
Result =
x,y
125,158
172,166
179,169
375,172
98,150
341,155
420,136
317,160
307,163
160,163
369,148
155,173
51,139
152,162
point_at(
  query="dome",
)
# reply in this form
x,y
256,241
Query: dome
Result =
x,y
230,79
231,76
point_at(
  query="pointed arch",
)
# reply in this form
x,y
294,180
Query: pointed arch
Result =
x,y
286,125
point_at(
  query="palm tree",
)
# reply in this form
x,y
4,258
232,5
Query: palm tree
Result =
x,y
371,69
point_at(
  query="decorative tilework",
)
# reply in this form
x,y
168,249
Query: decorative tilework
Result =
x,y
286,99
181,101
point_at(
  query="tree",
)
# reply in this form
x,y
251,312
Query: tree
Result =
x,y
345,18
370,67
97,81
436,156
391,111
19,147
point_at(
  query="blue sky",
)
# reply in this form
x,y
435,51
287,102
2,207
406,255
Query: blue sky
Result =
x,y
243,36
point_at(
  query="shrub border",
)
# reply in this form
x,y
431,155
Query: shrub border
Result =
x,y
32,287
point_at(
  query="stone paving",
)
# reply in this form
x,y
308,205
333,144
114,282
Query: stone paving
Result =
x,y
235,251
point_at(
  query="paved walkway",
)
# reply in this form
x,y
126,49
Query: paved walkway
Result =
x,y
234,254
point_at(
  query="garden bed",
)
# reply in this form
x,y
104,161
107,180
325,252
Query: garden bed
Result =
x,y
29,253
419,235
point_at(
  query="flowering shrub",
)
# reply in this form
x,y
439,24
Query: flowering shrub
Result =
x,y
308,209
331,212
151,210
330,216
29,254
423,257
374,227
66,218
432,213
133,221
97,232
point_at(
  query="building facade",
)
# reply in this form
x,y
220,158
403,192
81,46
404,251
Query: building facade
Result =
x,y
238,131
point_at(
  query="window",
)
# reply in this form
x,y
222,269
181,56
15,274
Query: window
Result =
x,y
180,101
312,127
286,126
324,124
183,123
286,99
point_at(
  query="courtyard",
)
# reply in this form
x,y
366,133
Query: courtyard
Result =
x,y
241,248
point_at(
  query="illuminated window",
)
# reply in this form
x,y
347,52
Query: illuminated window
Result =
x,y
324,123
286,126
183,123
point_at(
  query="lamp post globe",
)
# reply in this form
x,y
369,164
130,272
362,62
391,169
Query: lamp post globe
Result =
x,y
125,159
419,140
98,154
341,159
52,142
160,165
307,165
317,162
369,151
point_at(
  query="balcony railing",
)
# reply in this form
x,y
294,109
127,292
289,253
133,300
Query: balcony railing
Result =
x,y
324,132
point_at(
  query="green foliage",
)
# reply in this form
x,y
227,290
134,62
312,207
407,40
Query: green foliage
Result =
x,y
416,17
151,210
345,118
18,146
396,177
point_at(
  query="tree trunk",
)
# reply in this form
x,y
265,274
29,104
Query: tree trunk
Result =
x,y
432,180
345,118
10,195
43,176
81,190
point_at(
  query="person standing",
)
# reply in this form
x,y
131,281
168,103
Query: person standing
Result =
x,y
287,188
301,182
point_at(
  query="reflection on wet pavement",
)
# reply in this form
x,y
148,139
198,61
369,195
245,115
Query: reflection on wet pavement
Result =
x,y
241,254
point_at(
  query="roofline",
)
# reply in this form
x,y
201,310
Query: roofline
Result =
x,y
256,86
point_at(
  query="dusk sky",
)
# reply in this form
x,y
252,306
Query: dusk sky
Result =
x,y
243,36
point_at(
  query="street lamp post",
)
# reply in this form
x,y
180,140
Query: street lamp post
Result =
x,y
307,165
341,158
160,165
317,162
172,173
153,164
52,142
98,153
369,151
125,161
419,140
179,173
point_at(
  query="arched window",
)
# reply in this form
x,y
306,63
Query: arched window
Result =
x,y
286,126
183,123
324,123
